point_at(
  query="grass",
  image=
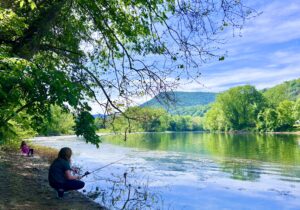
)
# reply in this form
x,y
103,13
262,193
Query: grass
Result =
x,y
46,153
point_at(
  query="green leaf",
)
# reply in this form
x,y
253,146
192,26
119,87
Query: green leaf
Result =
x,y
32,5
222,58
22,2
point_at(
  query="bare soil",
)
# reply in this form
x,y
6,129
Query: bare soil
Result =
x,y
24,185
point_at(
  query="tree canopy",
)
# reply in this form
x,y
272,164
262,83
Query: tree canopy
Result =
x,y
238,107
67,52
245,108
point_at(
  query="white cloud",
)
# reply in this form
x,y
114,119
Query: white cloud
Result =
x,y
260,77
279,23
264,56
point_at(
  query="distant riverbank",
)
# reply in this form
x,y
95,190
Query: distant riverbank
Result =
x,y
223,132
286,132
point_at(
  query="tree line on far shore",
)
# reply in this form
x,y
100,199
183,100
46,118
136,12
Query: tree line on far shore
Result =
x,y
245,108
240,108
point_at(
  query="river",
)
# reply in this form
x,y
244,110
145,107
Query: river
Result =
x,y
191,170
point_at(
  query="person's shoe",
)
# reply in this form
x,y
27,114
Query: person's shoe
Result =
x,y
60,193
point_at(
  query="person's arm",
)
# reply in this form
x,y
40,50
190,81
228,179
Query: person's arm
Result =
x,y
69,175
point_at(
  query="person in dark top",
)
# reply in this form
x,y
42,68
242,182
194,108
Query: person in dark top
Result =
x,y
60,176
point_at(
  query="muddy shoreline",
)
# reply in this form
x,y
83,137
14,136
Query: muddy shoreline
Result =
x,y
24,185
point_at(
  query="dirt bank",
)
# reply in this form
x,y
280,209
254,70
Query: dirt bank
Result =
x,y
24,185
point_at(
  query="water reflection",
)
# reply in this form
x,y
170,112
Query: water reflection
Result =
x,y
269,148
240,155
241,171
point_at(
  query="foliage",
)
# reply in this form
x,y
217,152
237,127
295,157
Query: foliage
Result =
x,y
280,119
214,119
267,120
296,110
152,120
245,108
16,129
239,108
286,119
100,123
148,119
199,110
235,109
289,90
57,52
185,123
59,122
84,126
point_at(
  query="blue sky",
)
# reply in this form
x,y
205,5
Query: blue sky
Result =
x,y
267,53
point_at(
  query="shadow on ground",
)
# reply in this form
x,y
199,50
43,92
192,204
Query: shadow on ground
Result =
x,y
24,185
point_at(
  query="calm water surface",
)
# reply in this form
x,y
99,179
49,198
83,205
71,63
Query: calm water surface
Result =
x,y
200,170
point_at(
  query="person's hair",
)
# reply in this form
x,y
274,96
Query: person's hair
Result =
x,y
65,153
22,144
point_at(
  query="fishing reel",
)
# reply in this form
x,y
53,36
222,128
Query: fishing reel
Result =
x,y
86,173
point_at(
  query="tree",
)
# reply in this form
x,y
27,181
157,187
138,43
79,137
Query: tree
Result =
x,y
289,90
296,111
214,119
286,119
70,51
149,119
235,109
59,122
267,120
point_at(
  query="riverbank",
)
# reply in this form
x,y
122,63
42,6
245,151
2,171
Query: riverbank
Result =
x,y
24,185
287,132
252,132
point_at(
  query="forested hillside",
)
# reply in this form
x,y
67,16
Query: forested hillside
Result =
x,y
289,90
183,103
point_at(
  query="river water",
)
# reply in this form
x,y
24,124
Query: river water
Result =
x,y
192,170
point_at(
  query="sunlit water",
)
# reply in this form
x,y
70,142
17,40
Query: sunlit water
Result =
x,y
198,170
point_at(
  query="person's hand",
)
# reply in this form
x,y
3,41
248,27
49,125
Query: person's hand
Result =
x,y
86,173
75,169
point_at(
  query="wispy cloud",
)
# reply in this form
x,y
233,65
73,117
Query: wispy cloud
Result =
x,y
267,54
279,22
261,78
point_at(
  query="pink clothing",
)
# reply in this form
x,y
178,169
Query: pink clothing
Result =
x,y
25,149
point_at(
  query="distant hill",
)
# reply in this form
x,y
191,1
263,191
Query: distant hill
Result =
x,y
289,90
99,115
183,103
198,110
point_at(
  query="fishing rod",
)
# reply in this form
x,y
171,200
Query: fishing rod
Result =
x,y
98,169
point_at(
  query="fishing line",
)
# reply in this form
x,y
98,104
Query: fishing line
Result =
x,y
98,169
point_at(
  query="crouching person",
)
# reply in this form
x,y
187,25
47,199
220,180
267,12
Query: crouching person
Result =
x,y
60,176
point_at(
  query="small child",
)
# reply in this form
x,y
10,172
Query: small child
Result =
x,y
26,150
